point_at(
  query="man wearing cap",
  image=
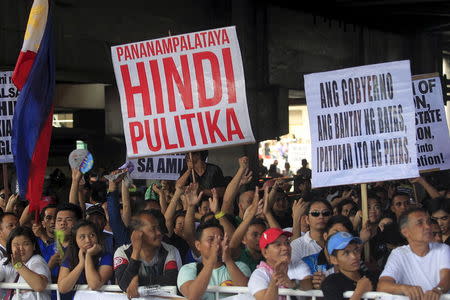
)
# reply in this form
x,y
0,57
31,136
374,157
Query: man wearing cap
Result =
x,y
96,214
277,271
421,269
345,253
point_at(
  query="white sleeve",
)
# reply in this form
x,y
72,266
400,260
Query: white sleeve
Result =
x,y
300,271
445,257
178,259
259,280
2,270
39,266
393,267
296,252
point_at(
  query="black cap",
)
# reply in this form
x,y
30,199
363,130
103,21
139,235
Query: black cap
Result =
x,y
95,209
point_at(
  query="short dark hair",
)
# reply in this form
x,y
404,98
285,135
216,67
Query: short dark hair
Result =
x,y
258,221
202,227
403,220
398,194
345,202
438,204
42,214
19,231
325,202
203,218
159,217
70,207
339,219
2,216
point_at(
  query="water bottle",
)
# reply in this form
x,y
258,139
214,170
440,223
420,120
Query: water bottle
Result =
x,y
148,290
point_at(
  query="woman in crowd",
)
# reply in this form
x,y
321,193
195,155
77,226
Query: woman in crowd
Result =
x,y
85,261
277,271
24,264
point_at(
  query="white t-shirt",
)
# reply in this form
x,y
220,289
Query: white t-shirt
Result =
x,y
36,264
260,278
304,246
408,268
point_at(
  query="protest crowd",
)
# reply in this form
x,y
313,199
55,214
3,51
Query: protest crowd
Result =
x,y
361,218
247,230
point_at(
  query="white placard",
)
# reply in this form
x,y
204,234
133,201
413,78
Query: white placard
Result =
x,y
166,167
8,100
182,93
362,124
433,141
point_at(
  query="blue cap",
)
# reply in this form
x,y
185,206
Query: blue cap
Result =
x,y
340,240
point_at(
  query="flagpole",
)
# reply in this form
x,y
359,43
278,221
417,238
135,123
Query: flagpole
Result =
x,y
365,217
5,180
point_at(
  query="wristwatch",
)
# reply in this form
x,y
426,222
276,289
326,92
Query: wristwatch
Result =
x,y
18,265
439,290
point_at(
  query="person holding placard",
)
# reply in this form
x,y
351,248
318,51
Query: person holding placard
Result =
x,y
207,175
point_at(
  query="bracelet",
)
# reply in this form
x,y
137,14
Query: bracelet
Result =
x,y
219,215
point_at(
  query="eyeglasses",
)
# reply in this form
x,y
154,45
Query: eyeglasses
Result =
x,y
325,213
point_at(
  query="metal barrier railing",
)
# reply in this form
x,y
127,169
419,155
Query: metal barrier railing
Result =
x,y
217,290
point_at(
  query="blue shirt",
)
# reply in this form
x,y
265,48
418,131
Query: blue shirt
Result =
x,y
105,260
47,253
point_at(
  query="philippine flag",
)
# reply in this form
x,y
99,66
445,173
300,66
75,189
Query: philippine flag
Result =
x,y
34,75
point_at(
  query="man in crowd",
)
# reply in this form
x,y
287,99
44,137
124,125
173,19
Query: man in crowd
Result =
x,y
8,222
345,254
45,232
207,175
217,267
147,260
318,213
67,215
421,268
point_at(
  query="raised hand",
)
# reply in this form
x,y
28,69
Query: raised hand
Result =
x,y
298,209
252,210
136,240
16,257
76,175
226,253
247,177
214,201
215,251
37,230
243,162
191,194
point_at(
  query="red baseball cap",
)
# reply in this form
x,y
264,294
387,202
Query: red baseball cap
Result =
x,y
270,235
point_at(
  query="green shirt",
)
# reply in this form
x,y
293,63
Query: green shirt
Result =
x,y
247,258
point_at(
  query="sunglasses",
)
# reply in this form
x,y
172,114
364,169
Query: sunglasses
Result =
x,y
325,213
2,196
